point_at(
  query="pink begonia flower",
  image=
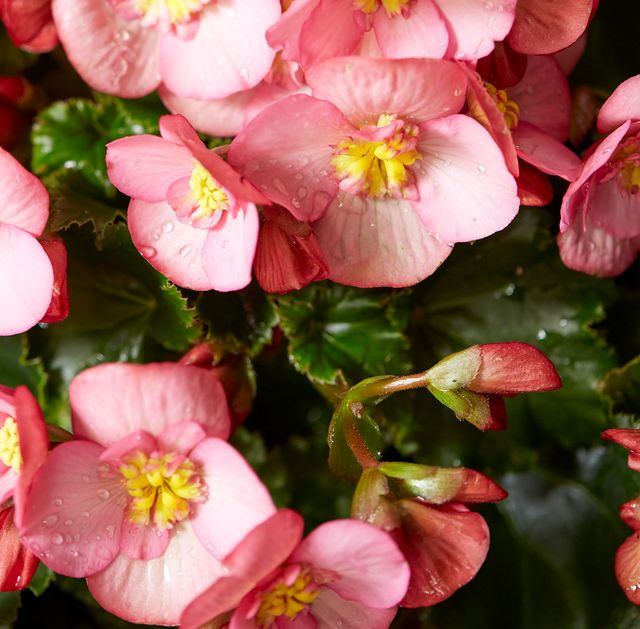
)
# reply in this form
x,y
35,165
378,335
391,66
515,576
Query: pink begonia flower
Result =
x,y
148,497
345,573
197,48
191,215
310,33
29,24
26,274
23,449
56,250
600,214
383,166
529,121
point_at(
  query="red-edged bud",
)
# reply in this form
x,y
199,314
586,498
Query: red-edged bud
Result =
x,y
17,564
504,67
485,412
288,256
58,309
29,23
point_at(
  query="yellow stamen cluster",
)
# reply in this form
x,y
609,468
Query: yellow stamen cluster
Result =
x,y
161,490
629,154
287,600
392,7
378,168
171,11
209,196
10,453
509,108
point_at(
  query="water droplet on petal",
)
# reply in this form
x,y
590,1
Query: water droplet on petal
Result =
x,y
482,168
148,252
56,539
541,335
104,494
50,520
167,227
184,250
57,502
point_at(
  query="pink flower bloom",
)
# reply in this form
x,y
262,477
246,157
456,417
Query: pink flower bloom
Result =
x,y
29,24
197,48
345,573
600,215
149,496
26,275
383,167
310,33
191,215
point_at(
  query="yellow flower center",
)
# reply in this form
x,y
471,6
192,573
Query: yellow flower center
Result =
x,y
209,196
509,108
171,12
627,156
10,453
162,487
287,600
392,7
378,167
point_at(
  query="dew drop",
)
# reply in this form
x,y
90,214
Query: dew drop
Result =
x,y
86,478
279,185
184,250
148,252
57,502
86,514
167,227
56,539
244,74
482,168
68,522
563,323
50,520
302,192
541,335
104,494
110,530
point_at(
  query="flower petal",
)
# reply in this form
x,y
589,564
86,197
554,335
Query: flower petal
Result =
x,y
330,610
627,567
17,564
622,105
181,437
626,437
143,542
614,208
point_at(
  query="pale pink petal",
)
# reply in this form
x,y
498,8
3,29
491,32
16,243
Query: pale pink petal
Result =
x,y
543,97
24,201
466,191
369,566
26,280
171,247
140,441
144,166
17,564
546,26
220,117
228,251
622,105
110,401
323,36
627,567
414,89
261,552
286,152
122,57
423,33
330,610
156,591
474,25
545,152
614,208
237,501
75,510
228,53
266,94
142,542
377,242
285,33
181,437
8,482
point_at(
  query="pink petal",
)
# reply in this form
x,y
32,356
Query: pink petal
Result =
x,y
568,57
262,551
330,610
626,437
45,41
445,547
227,254
75,511
156,591
171,247
369,567
266,94
546,26
237,500
543,97
24,201
377,242
181,437
423,33
26,19
475,25
140,440
534,187
219,117
142,542
466,191
26,280
8,482
17,564
614,208
286,152
144,166
123,56
111,400
622,105
627,567
228,53
414,89
546,153
285,33
630,514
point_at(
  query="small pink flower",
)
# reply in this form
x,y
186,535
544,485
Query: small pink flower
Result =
x,y
197,48
383,167
26,275
29,24
149,496
191,215
600,215
345,573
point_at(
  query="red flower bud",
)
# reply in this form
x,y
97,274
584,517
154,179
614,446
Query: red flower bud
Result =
x,y
59,307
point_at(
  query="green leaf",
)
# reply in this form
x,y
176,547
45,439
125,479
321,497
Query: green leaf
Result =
x,y
17,369
9,605
338,332
41,579
623,387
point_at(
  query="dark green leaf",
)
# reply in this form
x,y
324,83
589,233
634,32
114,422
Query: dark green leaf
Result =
x,y
17,369
623,387
9,605
41,579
